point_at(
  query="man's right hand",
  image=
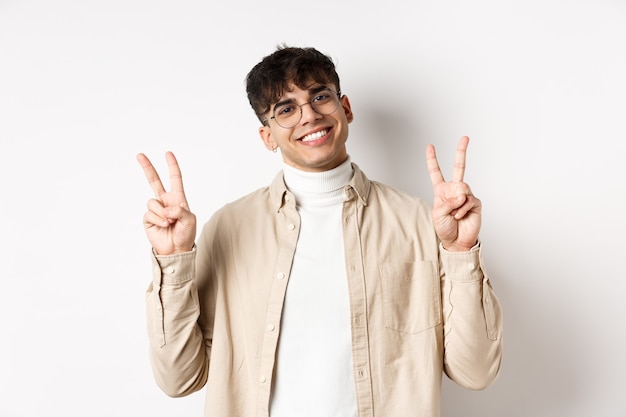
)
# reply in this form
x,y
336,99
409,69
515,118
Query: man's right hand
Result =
x,y
170,226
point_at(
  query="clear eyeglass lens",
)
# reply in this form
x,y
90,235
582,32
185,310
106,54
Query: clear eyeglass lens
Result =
x,y
289,115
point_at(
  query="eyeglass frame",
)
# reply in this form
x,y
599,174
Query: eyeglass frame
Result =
x,y
337,93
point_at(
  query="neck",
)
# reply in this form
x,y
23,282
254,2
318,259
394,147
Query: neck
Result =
x,y
317,186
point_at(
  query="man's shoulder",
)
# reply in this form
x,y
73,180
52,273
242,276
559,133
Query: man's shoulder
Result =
x,y
255,198
254,204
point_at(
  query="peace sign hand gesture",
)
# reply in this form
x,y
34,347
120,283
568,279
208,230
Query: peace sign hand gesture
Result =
x,y
456,212
170,226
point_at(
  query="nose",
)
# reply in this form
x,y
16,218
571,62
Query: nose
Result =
x,y
308,113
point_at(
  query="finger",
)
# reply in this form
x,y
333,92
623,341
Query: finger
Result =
x,y
151,219
459,162
472,204
156,206
174,213
156,213
176,177
167,214
151,175
436,177
453,195
447,206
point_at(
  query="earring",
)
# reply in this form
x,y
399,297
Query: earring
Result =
x,y
275,149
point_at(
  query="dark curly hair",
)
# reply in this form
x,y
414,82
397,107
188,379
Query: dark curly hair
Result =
x,y
269,79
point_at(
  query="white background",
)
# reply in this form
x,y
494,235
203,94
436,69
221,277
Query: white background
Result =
x,y
539,86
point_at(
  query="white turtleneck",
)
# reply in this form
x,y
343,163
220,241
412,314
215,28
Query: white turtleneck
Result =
x,y
314,360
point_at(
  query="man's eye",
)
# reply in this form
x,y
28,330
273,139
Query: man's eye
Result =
x,y
285,110
321,98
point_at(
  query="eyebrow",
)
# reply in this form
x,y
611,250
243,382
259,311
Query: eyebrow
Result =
x,y
312,91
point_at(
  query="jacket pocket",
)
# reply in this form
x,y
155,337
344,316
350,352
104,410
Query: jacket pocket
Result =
x,y
411,296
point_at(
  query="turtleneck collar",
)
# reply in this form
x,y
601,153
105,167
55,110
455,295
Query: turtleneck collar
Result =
x,y
320,187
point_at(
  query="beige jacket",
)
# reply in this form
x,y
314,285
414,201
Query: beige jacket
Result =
x,y
417,310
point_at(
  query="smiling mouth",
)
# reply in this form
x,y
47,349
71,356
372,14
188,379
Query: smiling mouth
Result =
x,y
314,136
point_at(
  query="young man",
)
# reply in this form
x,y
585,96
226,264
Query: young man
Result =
x,y
325,293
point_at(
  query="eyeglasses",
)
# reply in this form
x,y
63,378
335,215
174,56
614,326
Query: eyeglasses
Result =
x,y
289,114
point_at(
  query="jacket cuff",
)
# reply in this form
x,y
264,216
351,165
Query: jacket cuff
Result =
x,y
173,269
463,266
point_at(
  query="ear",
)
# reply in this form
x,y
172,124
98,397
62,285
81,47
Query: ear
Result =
x,y
266,136
347,109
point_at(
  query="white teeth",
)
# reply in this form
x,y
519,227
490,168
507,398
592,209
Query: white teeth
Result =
x,y
314,136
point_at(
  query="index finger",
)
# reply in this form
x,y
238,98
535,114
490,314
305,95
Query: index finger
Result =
x,y
434,171
151,175
459,162
176,177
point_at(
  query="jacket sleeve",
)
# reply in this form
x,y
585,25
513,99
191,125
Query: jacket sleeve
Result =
x,y
472,320
178,355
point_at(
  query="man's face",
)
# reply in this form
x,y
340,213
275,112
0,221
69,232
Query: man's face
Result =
x,y
317,142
